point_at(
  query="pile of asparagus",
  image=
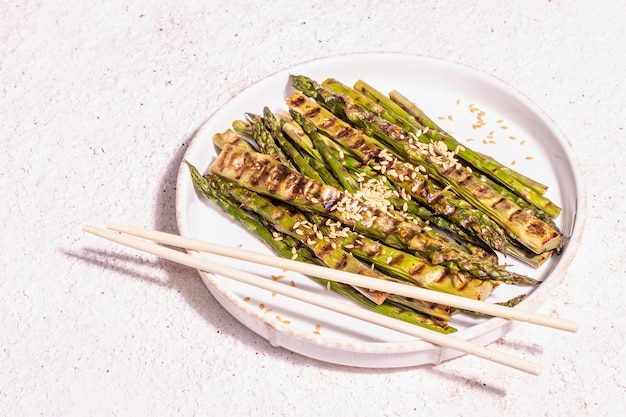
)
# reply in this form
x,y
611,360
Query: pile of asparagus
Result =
x,y
367,183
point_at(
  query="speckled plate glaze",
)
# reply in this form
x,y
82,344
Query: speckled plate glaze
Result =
x,y
480,111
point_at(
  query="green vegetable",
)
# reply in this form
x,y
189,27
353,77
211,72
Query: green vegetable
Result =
x,y
443,166
368,184
289,247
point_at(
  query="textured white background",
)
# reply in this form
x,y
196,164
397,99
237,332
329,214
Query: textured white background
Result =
x,y
98,101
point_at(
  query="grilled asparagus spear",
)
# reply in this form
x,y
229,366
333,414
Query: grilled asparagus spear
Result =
x,y
398,109
443,166
328,250
382,193
365,173
517,182
264,174
386,191
406,176
397,263
289,247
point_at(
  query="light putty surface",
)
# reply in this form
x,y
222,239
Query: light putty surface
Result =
x,y
98,101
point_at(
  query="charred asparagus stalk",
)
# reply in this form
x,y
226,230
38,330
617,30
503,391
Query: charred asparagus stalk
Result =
x,y
264,174
288,247
406,176
474,244
442,165
291,222
310,167
517,182
398,106
414,269
365,173
400,110
267,144
378,191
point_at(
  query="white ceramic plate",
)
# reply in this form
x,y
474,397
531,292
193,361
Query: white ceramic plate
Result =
x,y
514,132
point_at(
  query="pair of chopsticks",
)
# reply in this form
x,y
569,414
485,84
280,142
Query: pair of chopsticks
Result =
x,y
129,236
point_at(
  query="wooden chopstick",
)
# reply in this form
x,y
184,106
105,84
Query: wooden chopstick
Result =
x,y
431,336
494,310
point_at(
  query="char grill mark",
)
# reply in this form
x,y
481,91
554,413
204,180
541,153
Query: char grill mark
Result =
x,y
297,100
314,111
328,123
372,250
504,205
342,262
416,270
235,161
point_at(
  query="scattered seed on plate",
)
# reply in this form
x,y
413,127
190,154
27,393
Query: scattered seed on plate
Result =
x,y
246,299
